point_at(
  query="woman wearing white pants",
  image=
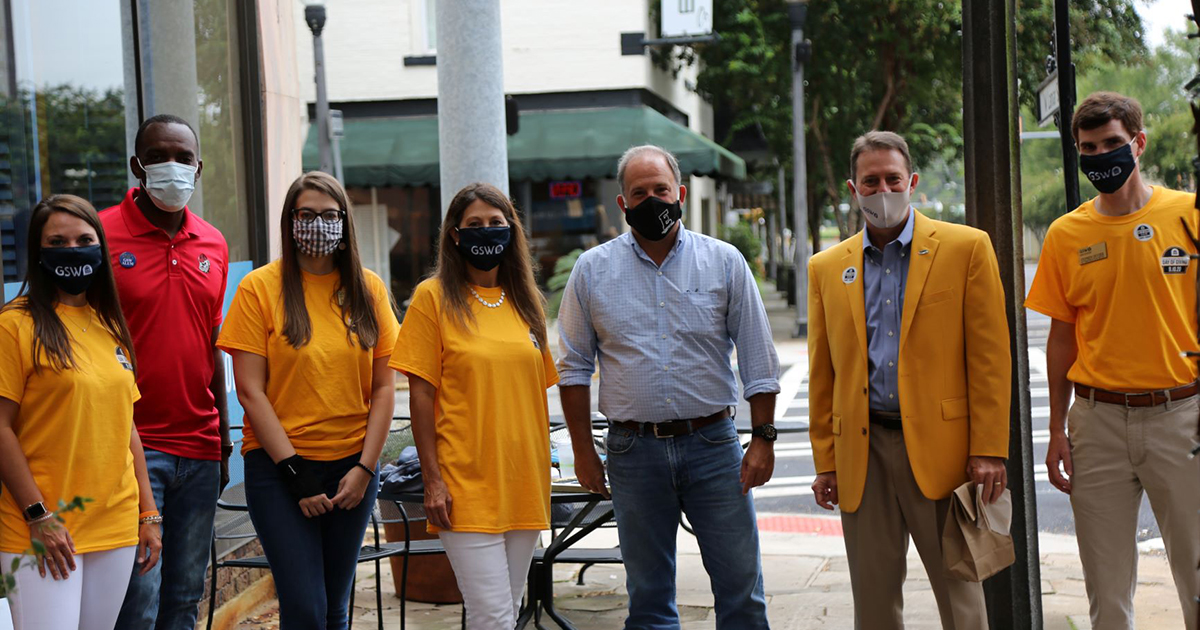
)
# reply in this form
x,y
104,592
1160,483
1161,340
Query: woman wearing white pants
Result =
x,y
67,390
473,344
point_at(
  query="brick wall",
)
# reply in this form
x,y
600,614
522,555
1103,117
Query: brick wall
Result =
x,y
231,581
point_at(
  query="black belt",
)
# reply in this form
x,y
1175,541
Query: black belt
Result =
x,y
674,428
887,419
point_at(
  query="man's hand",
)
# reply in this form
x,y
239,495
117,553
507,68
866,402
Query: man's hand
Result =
x,y
825,490
990,475
1059,451
758,464
224,474
590,472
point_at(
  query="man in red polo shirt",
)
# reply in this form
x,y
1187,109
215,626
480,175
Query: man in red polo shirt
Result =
x,y
171,268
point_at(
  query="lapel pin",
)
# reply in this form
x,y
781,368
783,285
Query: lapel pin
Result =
x,y
923,252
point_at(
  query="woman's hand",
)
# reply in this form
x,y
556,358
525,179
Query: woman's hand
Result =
x,y
58,549
149,542
351,488
316,505
438,503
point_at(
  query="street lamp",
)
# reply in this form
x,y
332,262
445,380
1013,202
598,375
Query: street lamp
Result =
x,y
801,51
314,16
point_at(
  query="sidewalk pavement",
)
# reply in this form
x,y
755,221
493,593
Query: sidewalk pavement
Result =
x,y
807,583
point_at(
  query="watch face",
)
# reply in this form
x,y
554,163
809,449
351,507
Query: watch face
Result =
x,y
768,432
35,511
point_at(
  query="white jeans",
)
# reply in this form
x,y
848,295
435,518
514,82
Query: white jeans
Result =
x,y
89,599
491,571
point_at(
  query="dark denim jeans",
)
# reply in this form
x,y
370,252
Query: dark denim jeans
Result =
x,y
653,480
313,560
166,598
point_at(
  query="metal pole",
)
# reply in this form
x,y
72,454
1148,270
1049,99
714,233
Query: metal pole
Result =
x,y
1066,99
993,195
337,129
777,223
472,141
314,15
798,12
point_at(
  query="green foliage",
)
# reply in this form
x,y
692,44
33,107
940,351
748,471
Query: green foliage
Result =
x,y
742,237
558,281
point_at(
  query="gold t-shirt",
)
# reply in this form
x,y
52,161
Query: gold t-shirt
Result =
x,y
493,424
74,427
1129,287
321,392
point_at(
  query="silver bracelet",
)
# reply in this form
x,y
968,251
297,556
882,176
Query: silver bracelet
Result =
x,y
42,519
151,520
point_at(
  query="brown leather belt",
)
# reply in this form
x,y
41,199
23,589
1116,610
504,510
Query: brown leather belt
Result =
x,y
674,428
1141,399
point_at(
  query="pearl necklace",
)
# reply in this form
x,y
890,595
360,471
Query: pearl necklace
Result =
x,y
485,302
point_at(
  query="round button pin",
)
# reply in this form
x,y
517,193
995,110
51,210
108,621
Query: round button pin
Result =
x,y
849,275
1143,232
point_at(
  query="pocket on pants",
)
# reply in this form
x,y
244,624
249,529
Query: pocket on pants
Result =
x,y
718,433
619,440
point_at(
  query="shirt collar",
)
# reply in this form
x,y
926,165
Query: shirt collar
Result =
x,y
682,236
139,225
905,235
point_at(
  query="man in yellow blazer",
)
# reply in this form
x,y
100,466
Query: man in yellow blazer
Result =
x,y
909,385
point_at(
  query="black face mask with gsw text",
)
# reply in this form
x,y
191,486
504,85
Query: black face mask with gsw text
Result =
x,y
653,218
483,247
72,268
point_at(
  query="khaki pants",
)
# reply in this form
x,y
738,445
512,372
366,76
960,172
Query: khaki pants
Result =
x,y
1118,452
877,535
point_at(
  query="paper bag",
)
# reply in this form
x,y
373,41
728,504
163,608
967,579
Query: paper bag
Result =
x,y
976,543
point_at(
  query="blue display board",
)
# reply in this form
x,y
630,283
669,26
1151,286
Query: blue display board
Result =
x,y
237,271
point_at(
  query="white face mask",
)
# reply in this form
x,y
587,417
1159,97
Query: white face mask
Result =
x,y
885,209
170,184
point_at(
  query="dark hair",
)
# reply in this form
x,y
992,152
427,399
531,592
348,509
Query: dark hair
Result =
x,y
161,119
39,294
357,304
1100,107
516,266
878,141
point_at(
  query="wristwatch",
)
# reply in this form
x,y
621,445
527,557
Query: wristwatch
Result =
x,y
766,432
35,511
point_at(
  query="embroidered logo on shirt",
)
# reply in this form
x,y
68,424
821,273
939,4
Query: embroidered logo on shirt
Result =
x,y
849,275
1143,232
127,260
204,264
123,360
1175,260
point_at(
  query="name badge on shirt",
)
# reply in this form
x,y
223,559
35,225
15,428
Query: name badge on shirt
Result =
x,y
1092,253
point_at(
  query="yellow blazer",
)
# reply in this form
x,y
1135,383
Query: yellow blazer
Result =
x,y
955,367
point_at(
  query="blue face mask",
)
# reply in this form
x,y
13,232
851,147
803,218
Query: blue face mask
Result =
x,y
484,247
72,268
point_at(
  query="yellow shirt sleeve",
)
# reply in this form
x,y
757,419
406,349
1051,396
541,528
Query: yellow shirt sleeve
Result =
x,y
1048,295
551,371
418,350
389,328
13,362
246,325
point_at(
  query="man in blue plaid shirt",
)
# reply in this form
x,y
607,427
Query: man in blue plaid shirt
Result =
x,y
662,309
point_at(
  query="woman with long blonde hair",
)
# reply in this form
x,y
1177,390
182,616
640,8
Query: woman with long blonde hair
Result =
x,y
473,345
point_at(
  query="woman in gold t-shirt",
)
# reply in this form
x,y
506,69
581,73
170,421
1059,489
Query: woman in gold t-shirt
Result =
x,y
473,345
67,390
322,328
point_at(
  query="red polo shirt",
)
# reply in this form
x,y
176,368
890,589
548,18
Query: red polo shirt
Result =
x,y
172,291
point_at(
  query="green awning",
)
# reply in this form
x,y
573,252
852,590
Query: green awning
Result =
x,y
565,144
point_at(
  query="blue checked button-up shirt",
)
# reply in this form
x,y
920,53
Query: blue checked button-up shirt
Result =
x,y
664,336
884,275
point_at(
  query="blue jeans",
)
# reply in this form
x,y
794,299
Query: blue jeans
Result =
x,y
653,480
186,492
313,560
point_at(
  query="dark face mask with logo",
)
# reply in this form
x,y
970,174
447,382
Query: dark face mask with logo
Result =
x,y
653,218
1108,172
483,247
72,268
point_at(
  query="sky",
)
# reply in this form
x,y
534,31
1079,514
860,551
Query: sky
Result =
x,y
1158,15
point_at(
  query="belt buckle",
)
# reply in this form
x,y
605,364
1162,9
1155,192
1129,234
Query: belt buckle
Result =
x,y
1126,395
655,429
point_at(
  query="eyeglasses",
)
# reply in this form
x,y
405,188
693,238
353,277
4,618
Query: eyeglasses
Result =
x,y
304,215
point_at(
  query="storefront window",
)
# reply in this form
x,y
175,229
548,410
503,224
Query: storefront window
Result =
x,y
63,101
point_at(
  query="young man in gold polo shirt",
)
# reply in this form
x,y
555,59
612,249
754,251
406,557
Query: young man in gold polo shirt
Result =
x,y
1116,278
